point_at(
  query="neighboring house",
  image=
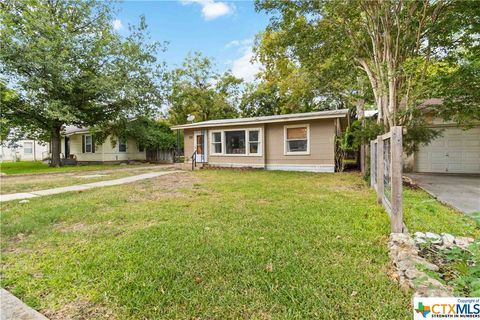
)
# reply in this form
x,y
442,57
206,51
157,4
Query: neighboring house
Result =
x,y
78,144
24,150
455,151
297,142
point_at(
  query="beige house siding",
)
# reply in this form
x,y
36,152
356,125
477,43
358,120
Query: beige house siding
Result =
x,y
320,158
105,152
322,148
237,160
188,144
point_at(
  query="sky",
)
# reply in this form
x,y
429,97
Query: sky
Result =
x,y
222,30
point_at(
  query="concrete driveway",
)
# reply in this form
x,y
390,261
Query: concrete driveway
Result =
x,y
459,191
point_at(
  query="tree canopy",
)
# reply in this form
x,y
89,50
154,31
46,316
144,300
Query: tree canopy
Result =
x,y
70,67
196,88
390,45
147,132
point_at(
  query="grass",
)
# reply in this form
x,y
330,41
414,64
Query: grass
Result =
x,y
39,167
424,213
213,245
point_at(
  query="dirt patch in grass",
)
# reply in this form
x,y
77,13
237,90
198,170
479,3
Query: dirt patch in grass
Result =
x,y
176,185
62,227
349,187
80,309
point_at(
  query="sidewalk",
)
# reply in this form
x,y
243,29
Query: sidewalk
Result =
x,y
11,308
47,192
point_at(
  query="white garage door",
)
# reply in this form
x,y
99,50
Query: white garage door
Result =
x,y
456,151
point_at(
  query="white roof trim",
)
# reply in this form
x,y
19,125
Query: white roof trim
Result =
x,y
266,119
71,130
370,113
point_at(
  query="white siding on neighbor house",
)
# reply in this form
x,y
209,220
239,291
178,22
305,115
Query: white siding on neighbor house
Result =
x,y
25,150
456,151
104,152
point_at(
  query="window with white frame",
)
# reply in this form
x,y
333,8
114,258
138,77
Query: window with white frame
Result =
x,y
122,145
253,141
88,144
243,142
27,148
235,142
297,139
217,142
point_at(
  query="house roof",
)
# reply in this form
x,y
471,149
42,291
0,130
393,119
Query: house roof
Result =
x,y
425,106
370,113
266,119
71,130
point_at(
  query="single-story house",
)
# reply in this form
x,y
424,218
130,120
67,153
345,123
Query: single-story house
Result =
x,y
78,144
24,150
297,142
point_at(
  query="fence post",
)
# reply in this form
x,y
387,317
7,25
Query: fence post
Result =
x,y
397,206
372,163
379,169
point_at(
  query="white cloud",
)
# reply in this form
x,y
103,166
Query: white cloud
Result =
x,y
239,43
244,67
117,24
212,9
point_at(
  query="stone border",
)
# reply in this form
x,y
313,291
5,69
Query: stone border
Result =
x,y
406,261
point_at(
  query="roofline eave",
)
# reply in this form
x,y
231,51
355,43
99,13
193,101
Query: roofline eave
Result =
x,y
241,123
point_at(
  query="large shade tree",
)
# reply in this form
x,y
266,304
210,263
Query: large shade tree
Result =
x,y
393,43
197,89
301,76
69,66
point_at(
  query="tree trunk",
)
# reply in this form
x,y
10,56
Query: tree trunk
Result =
x,y
360,105
56,147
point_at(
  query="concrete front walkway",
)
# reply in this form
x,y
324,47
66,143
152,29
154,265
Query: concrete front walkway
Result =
x,y
47,192
461,192
11,308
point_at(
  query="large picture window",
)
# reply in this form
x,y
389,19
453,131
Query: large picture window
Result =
x,y
244,142
235,142
297,139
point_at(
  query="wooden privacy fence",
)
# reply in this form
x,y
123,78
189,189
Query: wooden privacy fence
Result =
x,y
160,156
386,174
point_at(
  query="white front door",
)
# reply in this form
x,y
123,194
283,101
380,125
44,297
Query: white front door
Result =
x,y
456,151
200,145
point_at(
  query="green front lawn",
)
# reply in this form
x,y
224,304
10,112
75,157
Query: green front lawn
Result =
x,y
213,245
39,167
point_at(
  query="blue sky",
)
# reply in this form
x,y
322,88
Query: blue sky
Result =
x,y
223,30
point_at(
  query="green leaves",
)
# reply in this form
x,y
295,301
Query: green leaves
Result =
x,y
149,133
385,52
69,66
197,89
